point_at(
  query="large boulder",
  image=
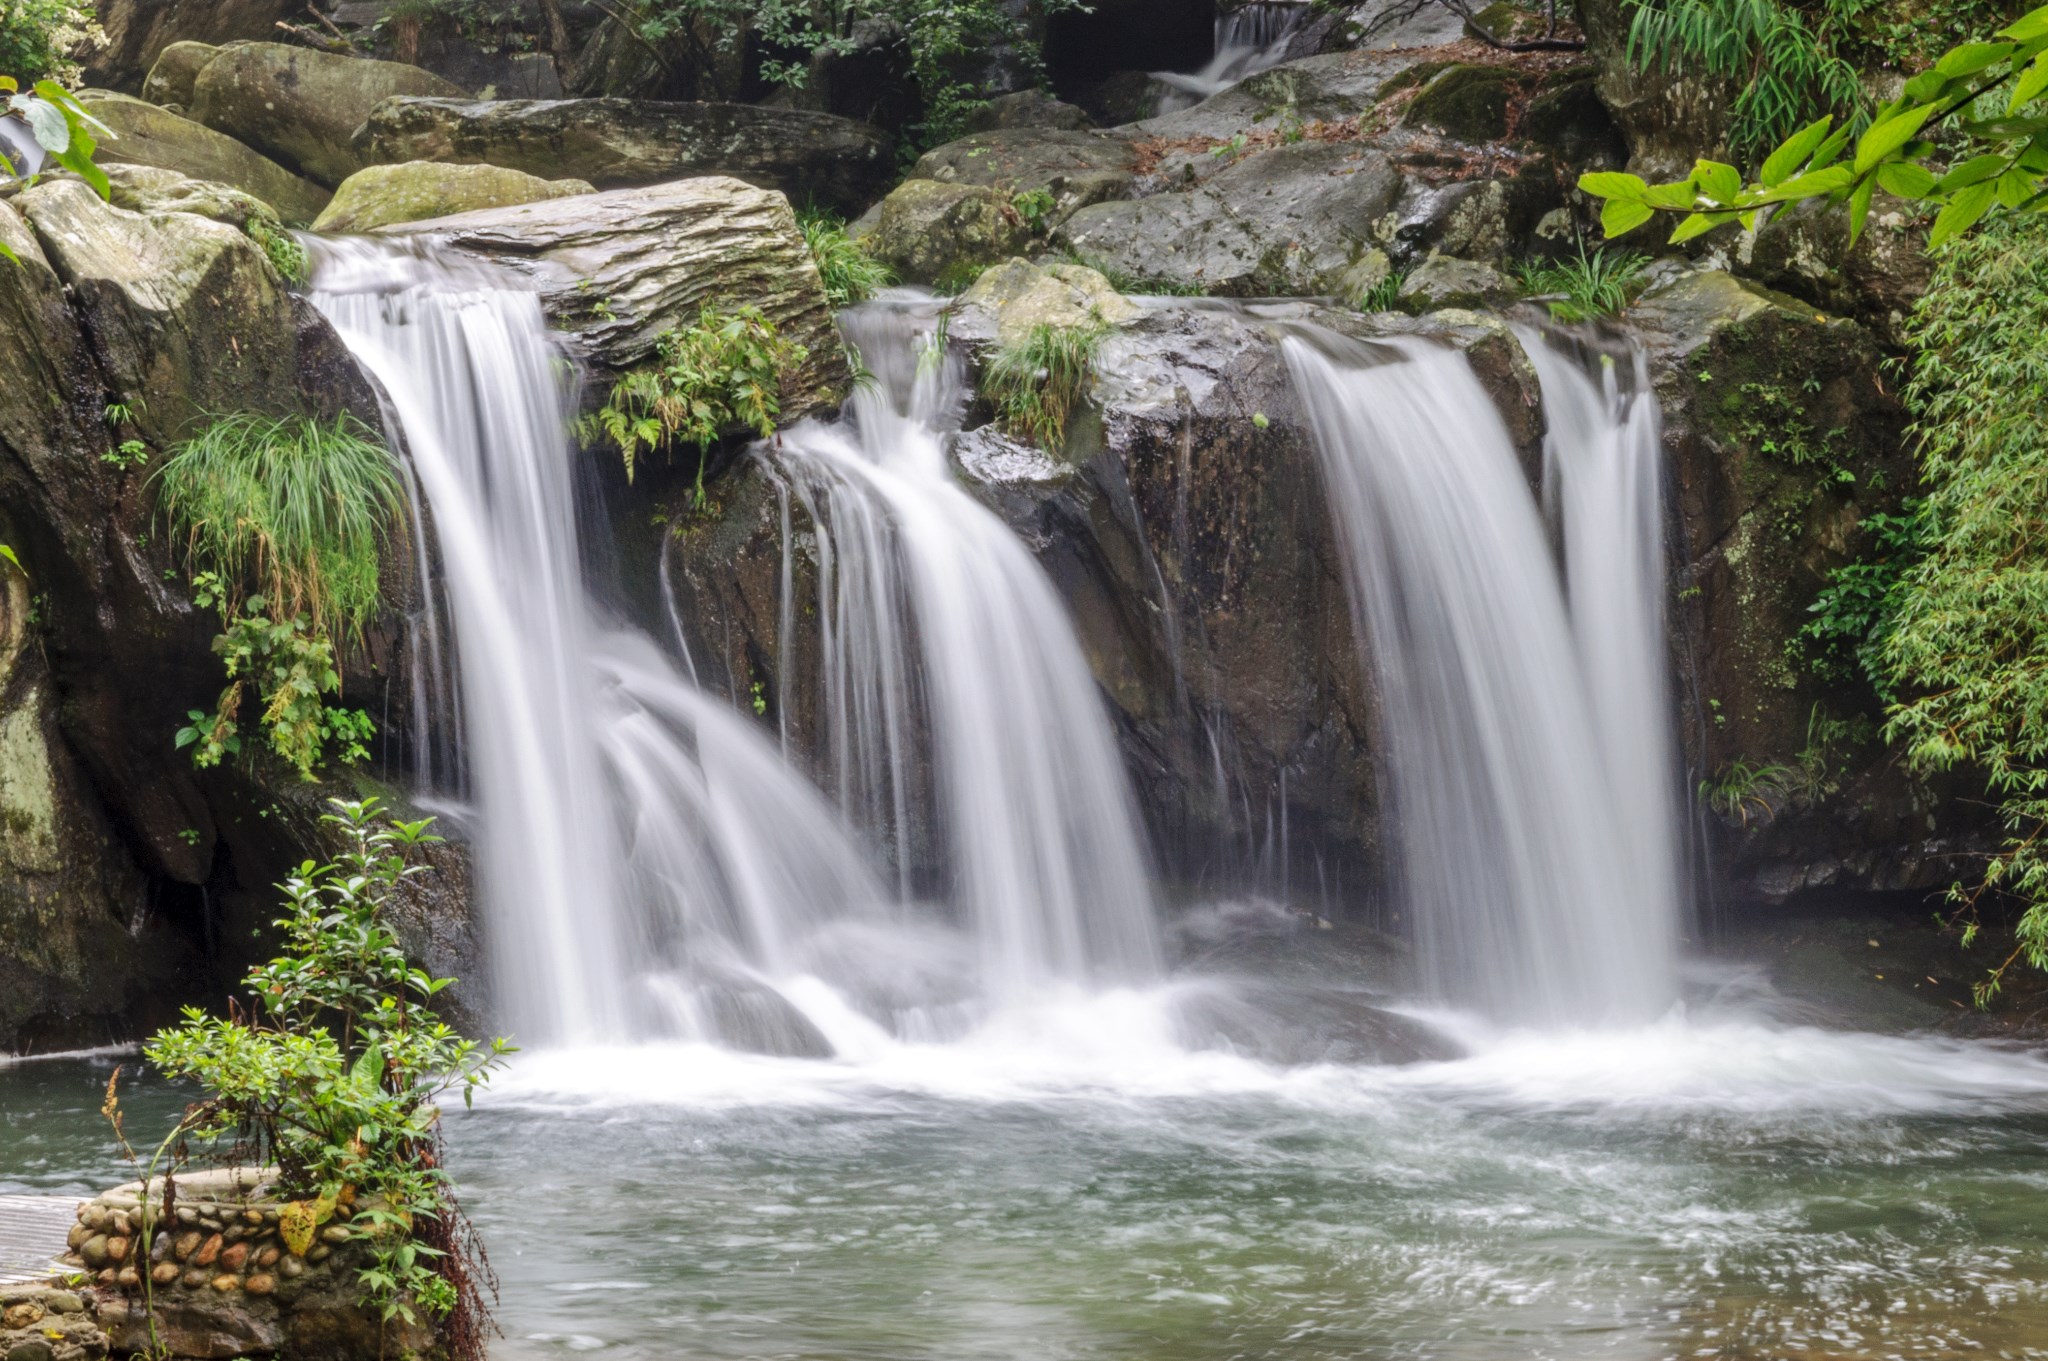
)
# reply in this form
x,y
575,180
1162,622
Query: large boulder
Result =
x,y
139,31
147,135
169,82
146,189
381,195
175,317
1783,437
1669,118
930,232
616,270
616,143
1006,303
302,107
1293,220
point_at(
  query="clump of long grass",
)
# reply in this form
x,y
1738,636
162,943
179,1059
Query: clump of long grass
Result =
x,y
1595,285
1035,383
851,275
294,508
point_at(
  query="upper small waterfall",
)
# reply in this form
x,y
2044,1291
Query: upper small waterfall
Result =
x,y
1249,39
1535,842
927,602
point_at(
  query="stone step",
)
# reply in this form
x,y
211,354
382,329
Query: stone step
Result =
x,y
32,1232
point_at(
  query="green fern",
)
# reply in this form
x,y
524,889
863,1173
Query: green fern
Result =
x,y
1790,70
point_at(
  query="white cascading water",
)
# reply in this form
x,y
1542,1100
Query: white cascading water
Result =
x,y
925,595
1249,39
1524,783
651,866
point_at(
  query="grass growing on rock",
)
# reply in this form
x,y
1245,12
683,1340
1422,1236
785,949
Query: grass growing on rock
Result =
x,y
851,275
1034,384
1595,285
298,508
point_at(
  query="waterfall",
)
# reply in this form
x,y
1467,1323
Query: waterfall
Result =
x,y
930,607
649,864
1533,832
1249,39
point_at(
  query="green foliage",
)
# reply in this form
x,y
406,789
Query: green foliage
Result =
x,y
1744,791
1788,65
1384,295
7,556
291,669
1035,384
1985,97
723,374
296,508
950,42
851,275
1589,286
336,1070
62,131
1968,636
1035,207
282,249
38,36
1853,614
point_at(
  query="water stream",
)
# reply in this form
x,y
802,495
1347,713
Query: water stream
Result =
x,y
1249,39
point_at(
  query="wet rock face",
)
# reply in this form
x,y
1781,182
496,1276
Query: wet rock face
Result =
x,y
615,143
178,317
1783,436
149,136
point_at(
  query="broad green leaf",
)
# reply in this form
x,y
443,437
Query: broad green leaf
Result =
x,y
1971,58
2014,187
1793,153
1682,195
1859,209
1699,224
1927,87
1994,129
2027,27
1820,182
45,120
1886,137
1613,184
6,553
1717,181
1906,179
1962,213
2028,87
1825,155
1973,171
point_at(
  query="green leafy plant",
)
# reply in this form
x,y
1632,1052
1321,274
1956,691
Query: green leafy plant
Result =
x,y
335,1072
1745,791
37,38
1035,207
1853,614
286,255
1787,63
1967,637
298,509
1589,286
850,274
723,374
291,668
1999,160
7,556
129,453
1035,383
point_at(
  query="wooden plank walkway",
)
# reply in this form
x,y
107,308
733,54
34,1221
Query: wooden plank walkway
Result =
x,y
32,1232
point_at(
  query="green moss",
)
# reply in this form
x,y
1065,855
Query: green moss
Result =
x,y
1467,102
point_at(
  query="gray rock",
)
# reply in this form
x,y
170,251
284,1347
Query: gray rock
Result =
x,y
1012,298
617,269
1292,220
1028,109
1017,160
302,107
170,80
139,31
147,135
621,142
1446,281
381,195
146,189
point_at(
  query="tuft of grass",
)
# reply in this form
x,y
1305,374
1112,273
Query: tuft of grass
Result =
x,y
1382,296
1744,791
297,508
851,275
1035,384
1137,284
1590,286
286,255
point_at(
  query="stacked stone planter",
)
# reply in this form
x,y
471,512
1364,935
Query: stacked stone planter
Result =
x,y
44,1323
216,1278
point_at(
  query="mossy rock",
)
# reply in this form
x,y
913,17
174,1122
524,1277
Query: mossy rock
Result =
x,y
1568,118
169,82
1466,102
929,231
147,135
381,195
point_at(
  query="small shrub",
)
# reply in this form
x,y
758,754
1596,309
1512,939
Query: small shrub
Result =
x,y
722,374
1035,207
1035,384
1590,286
1383,295
290,667
334,1072
298,509
851,275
